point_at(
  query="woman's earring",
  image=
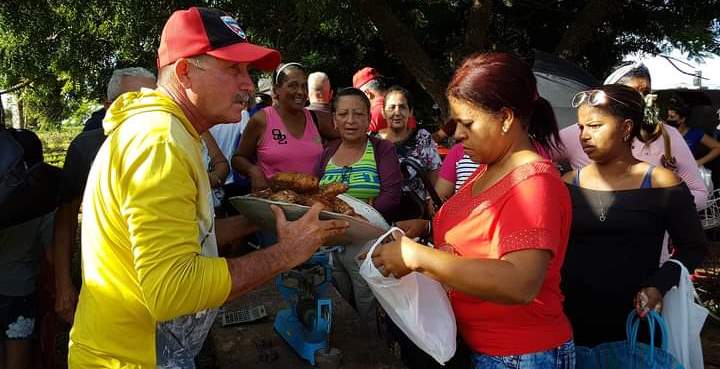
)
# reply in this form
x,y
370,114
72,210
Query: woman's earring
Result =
x,y
505,129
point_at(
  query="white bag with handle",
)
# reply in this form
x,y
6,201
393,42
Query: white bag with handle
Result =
x,y
684,318
417,304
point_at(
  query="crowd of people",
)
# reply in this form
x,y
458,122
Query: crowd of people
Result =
x,y
534,262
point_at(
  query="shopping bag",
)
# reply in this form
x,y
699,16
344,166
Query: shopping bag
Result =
x,y
684,318
630,354
417,304
706,175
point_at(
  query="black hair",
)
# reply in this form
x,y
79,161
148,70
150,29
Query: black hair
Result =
x,y
280,74
680,108
626,103
399,90
350,91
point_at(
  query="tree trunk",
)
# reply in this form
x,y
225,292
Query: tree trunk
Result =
x,y
21,112
580,33
400,41
476,27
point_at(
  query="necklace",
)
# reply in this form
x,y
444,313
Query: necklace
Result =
x,y
603,214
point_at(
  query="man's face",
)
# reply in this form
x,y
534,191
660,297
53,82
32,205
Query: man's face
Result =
x,y
220,89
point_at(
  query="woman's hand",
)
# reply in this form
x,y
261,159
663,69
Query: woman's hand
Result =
x,y
258,181
394,257
648,299
414,227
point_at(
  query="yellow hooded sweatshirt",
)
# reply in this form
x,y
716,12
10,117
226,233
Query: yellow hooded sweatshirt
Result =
x,y
146,216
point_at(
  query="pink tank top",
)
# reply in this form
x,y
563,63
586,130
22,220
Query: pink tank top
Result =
x,y
279,151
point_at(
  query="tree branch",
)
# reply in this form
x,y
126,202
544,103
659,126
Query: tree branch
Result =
x,y
580,33
476,27
400,41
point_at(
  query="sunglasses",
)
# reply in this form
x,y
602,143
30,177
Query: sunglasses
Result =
x,y
592,98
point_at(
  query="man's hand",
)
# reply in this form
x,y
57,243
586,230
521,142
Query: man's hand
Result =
x,y
301,238
66,298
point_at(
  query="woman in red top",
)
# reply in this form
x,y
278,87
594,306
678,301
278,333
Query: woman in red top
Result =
x,y
501,239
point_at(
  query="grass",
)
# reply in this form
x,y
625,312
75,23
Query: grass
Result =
x,y
56,142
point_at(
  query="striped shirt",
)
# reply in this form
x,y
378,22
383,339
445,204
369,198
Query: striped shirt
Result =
x,y
464,168
362,177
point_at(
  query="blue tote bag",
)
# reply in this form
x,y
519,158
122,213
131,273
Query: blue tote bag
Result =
x,y
630,354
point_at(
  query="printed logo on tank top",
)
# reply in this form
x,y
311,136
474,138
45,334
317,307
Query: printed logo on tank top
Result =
x,y
278,136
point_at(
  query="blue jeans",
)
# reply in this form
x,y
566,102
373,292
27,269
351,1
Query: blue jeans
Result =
x,y
561,357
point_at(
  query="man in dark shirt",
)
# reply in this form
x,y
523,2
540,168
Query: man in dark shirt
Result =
x,y
78,160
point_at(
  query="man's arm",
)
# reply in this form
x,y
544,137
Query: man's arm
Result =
x,y
64,231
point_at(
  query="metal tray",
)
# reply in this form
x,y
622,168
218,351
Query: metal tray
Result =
x,y
359,233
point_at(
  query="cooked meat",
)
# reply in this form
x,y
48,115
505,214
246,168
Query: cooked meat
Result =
x,y
341,207
298,182
333,189
303,189
263,194
288,196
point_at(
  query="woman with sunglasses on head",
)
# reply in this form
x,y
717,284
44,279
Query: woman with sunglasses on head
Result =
x,y
371,170
285,137
501,239
621,209
649,146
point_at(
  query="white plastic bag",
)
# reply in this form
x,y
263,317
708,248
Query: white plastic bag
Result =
x,y
706,175
685,319
418,305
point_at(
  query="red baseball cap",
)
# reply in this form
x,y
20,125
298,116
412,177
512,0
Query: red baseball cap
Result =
x,y
364,76
198,31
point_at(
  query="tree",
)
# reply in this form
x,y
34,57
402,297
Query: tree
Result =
x,y
67,49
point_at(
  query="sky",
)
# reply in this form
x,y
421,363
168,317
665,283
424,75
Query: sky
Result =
x,y
665,76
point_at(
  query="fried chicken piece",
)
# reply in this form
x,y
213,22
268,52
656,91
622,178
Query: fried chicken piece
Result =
x,y
341,207
262,194
333,189
332,204
310,199
288,196
298,182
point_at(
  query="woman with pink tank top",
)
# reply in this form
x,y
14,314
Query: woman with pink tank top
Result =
x,y
283,137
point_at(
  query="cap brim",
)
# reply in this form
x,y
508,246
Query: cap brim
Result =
x,y
262,58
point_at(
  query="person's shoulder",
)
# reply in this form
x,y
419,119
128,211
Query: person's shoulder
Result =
x,y
381,144
423,134
663,178
673,132
257,122
93,137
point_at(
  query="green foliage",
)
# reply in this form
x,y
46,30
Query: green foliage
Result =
x,y
68,48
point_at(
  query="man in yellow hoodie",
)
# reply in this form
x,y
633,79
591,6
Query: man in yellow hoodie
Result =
x,y
151,276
